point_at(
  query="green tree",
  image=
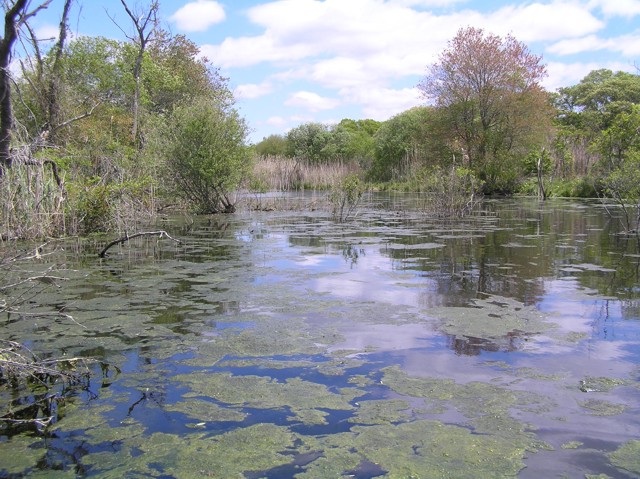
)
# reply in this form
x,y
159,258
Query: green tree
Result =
x,y
272,145
311,142
591,114
405,142
488,90
202,145
355,140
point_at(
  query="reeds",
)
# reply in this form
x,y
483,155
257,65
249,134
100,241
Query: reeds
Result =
x,y
279,173
32,201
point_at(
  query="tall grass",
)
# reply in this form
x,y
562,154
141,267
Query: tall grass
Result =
x,y
279,173
32,202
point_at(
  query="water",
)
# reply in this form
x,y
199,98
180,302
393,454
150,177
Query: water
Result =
x,y
283,344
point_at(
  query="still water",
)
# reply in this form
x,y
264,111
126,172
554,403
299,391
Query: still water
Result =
x,y
283,344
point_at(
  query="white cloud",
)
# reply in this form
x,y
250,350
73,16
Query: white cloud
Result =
x,y
198,16
567,74
626,45
311,101
47,32
276,121
624,8
248,51
383,103
252,90
543,21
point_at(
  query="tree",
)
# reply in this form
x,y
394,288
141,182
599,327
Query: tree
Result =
x,y
403,142
488,89
357,139
202,146
311,142
272,145
145,24
15,16
590,113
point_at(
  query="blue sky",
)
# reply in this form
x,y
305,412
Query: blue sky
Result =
x,y
294,61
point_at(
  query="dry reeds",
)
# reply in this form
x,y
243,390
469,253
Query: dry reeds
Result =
x,y
32,199
279,173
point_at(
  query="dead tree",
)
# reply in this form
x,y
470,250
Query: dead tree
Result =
x,y
16,14
145,25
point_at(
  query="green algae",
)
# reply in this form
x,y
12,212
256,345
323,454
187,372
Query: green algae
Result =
x,y
256,448
471,399
381,412
492,318
205,411
600,384
598,407
20,453
572,445
295,394
627,457
432,449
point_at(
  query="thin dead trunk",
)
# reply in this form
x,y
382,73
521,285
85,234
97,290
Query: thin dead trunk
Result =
x,y
14,17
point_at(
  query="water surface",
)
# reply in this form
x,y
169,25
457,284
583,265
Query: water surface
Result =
x,y
284,344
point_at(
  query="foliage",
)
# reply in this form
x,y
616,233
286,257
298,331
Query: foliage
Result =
x,y
404,142
450,193
272,145
311,142
202,148
494,108
345,197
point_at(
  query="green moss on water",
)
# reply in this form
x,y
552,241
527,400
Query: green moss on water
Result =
x,y
432,449
20,453
600,384
381,412
205,411
627,457
598,407
255,448
491,318
260,392
572,445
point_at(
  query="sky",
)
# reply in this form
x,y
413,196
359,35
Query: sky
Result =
x,y
295,61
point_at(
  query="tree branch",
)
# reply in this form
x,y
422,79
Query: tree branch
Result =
x,y
126,238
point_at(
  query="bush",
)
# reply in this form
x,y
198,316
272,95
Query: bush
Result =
x,y
450,194
202,148
345,197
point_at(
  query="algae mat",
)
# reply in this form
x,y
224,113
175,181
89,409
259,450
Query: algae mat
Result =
x,y
284,344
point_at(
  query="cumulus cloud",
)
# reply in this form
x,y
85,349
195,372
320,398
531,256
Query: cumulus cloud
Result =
x,y
198,16
252,90
311,101
359,49
626,45
543,21
567,74
624,8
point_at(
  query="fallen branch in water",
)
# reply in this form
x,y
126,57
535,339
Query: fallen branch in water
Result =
x,y
127,237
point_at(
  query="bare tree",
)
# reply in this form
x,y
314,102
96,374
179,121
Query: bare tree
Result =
x,y
145,24
16,15
53,95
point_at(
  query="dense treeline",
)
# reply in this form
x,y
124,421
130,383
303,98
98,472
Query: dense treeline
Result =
x,y
490,115
99,134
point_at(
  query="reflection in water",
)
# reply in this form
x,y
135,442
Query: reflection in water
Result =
x,y
292,321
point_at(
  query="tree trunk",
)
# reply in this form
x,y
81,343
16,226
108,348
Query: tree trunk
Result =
x,y
6,113
53,96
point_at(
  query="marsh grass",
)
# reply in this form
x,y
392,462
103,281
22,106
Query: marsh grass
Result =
x,y
280,173
32,202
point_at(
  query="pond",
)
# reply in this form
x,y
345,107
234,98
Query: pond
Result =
x,y
284,344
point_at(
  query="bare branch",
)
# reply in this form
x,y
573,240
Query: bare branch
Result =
x,y
126,238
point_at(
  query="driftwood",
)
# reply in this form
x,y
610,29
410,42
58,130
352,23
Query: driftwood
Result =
x,y
127,237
